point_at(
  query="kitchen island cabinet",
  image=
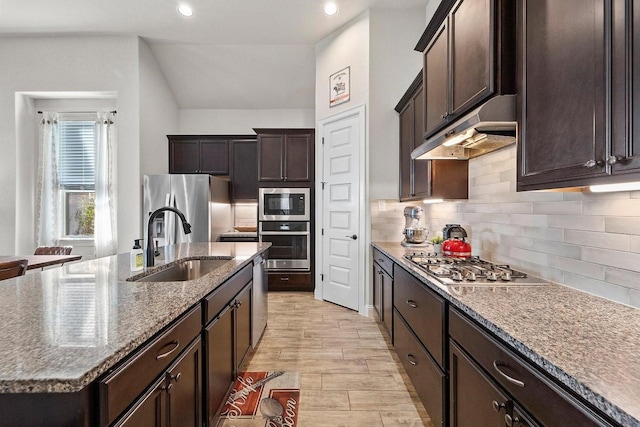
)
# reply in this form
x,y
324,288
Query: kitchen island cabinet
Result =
x,y
139,359
575,353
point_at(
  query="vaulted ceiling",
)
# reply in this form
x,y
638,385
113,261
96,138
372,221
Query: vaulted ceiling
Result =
x,y
232,54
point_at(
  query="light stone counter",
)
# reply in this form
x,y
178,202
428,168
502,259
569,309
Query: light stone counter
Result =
x,y
588,343
64,327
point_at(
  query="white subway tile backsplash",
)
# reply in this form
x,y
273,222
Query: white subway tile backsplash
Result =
x,y
589,241
588,269
529,256
558,208
598,287
626,278
615,207
623,225
530,220
598,240
516,208
574,222
620,259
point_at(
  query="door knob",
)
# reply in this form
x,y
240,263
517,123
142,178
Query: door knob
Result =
x,y
354,237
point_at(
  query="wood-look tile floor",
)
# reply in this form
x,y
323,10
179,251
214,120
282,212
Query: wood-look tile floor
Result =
x,y
349,374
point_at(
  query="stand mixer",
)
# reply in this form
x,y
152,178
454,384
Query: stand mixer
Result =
x,y
415,233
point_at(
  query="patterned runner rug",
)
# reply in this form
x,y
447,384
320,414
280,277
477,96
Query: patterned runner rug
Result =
x,y
263,399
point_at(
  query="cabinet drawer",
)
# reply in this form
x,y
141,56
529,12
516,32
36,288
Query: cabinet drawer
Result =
x,y
545,400
218,299
425,375
423,310
120,388
383,261
290,281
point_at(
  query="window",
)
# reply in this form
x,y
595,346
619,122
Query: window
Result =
x,y
76,175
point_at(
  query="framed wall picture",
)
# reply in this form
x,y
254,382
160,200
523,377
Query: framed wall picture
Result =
x,y
340,86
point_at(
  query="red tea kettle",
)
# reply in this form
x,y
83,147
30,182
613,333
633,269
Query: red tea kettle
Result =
x,y
455,245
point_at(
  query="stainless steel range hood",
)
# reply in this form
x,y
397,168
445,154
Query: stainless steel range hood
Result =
x,y
485,129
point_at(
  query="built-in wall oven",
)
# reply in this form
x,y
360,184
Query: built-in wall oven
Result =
x,y
284,221
290,244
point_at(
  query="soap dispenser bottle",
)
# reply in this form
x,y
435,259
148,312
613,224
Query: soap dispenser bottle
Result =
x,y
137,256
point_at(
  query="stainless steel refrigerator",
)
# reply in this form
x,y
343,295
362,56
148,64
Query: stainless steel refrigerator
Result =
x,y
203,199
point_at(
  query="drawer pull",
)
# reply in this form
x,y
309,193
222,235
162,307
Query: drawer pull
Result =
x,y
381,260
284,279
176,377
512,380
412,303
497,406
412,359
174,343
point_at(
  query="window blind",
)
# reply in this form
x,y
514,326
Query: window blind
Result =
x,y
76,155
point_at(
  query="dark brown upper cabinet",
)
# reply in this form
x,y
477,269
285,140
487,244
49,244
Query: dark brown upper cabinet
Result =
x,y
625,153
419,179
567,137
244,170
468,51
285,155
198,154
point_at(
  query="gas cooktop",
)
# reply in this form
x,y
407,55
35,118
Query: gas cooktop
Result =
x,y
472,271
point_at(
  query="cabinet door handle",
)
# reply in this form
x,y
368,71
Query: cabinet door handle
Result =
x,y
512,421
175,377
412,303
612,160
174,343
592,163
497,406
512,380
412,360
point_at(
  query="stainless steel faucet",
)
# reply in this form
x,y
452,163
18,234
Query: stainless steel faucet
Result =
x,y
150,258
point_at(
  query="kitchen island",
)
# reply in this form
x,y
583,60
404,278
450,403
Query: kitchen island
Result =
x,y
64,328
586,345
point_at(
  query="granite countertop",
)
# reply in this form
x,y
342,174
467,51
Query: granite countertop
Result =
x,y
64,327
588,343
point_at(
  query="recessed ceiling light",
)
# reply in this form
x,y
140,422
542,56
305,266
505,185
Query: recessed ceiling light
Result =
x,y
185,10
330,8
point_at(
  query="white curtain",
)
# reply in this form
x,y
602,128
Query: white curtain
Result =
x,y
47,201
106,242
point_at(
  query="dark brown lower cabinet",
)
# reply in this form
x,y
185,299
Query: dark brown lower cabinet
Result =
x,y
383,296
426,376
174,400
474,399
527,389
290,281
220,365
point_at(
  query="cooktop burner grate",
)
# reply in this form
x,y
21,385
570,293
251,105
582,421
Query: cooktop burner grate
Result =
x,y
472,271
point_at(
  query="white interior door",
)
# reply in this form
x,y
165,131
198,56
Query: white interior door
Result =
x,y
342,223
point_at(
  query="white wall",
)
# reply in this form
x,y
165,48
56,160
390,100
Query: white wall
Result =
x,y
393,66
159,115
348,46
241,122
93,64
26,156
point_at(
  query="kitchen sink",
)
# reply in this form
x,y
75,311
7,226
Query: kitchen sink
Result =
x,y
186,270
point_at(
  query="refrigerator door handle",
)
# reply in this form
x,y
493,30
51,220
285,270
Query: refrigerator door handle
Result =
x,y
169,219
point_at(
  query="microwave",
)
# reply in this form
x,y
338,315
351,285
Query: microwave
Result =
x,y
284,204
